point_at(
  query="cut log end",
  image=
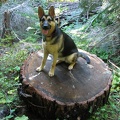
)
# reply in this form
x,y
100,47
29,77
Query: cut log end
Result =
x,y
69,94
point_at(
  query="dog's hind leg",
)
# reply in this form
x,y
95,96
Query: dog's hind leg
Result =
x,y
59,61
71,59
70,67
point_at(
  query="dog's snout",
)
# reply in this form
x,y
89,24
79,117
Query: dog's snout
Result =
x,y
46,25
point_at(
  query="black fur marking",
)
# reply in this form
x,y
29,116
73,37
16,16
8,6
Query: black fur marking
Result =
x,y
69,45
56,34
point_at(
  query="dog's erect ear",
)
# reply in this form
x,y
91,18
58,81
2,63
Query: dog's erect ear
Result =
x,y
40,12
51,11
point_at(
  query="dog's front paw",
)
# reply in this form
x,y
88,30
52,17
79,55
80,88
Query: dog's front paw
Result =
x,y
70,67
39,69
59,61
51,74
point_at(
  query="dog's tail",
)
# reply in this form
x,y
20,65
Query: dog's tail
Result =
x,y
83,55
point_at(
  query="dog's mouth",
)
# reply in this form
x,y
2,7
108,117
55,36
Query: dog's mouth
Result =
x,y
45,32
45,28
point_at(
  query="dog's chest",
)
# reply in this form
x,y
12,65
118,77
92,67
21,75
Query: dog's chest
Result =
x,y
53,48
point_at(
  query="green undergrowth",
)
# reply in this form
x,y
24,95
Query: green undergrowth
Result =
x,y
11,60
13,56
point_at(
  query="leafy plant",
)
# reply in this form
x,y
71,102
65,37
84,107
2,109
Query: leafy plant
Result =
x,y
10,63
22,118
7,41
116,81
101,53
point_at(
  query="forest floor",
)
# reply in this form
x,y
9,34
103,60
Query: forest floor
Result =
x,y
12,57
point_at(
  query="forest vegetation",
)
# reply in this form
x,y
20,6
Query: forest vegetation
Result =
x,y
93,24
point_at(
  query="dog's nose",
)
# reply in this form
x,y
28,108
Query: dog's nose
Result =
x,y
45,25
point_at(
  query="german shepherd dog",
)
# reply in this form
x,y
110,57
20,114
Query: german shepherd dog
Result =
x,y
57,43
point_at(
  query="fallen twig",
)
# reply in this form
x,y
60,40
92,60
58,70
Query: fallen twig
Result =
x,y
113,65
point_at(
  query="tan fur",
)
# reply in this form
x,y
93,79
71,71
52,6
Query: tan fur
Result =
x,y
71,59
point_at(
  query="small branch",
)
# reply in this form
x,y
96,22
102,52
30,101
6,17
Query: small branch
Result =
x,y
113,64
16,35
89,10
19,6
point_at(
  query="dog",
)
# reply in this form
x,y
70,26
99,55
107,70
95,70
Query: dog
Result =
x,y
57,43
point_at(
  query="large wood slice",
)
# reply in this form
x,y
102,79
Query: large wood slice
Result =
x,y
69,94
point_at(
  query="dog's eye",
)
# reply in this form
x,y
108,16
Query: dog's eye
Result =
x,y
42,19
49,20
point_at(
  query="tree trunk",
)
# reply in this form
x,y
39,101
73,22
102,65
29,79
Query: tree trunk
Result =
x,y
69,95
